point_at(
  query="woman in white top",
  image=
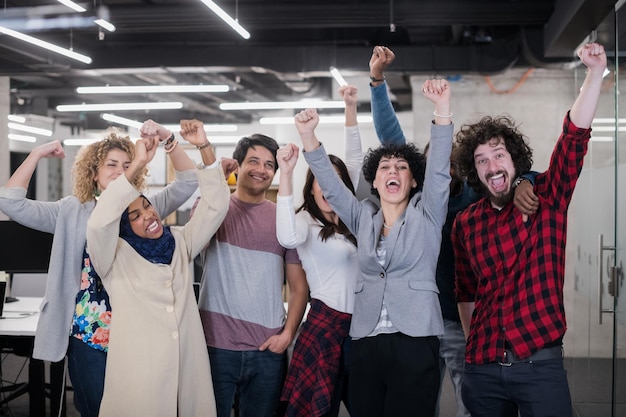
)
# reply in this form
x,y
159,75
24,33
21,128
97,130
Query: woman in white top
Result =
x,y
316,377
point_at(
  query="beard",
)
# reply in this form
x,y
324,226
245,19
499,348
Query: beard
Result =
x,y
499,199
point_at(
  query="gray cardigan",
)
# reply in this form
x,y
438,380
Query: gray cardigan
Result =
x,y
67,219
407,279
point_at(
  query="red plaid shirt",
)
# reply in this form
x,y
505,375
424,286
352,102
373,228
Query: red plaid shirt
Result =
x,y
514,271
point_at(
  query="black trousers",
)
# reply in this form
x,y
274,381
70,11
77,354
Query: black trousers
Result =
x,y
394,375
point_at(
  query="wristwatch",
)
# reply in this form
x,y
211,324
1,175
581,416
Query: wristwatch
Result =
x,y
518,181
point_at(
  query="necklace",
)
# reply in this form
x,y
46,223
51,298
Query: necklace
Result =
x,y
385,226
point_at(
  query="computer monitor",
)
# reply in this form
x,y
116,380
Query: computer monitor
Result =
x,y
23,250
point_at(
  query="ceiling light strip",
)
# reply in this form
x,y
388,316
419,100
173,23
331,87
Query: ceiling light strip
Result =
x,y
226,18
16,118
22,138
30,129
165,105
104,24
72,5
46,45
337,76
147,89
280,105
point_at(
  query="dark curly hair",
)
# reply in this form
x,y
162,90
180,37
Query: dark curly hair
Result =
x,y
407,151
252,141
313,209
491,130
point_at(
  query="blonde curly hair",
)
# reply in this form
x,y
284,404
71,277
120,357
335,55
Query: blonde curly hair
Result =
x,y
92,157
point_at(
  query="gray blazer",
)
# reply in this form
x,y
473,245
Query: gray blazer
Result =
x,y
67,219
407,278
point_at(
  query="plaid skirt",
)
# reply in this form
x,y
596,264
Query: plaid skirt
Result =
x,y
310,382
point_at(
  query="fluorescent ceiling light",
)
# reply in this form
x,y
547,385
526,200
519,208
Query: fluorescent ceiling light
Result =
x,y
104,24
601,138
139,89
22,138
226,18
337,76
171,127
606,72
46,45
609,120
16,118
121,120
72,5
165,105
323,120
277,105
30,129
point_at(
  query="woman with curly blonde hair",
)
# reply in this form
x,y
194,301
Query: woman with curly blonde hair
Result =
x,y
75,311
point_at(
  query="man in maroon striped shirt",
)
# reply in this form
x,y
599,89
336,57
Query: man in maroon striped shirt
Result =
x,y
510,266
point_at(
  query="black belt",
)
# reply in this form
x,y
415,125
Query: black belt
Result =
x,y
540,355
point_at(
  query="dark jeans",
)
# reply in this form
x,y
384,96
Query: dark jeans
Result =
x,y
86,367
535,389
256,376
394,375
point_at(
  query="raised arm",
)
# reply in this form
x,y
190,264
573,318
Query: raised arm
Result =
x,y
386,122
353,157
584,108
22,175
288,233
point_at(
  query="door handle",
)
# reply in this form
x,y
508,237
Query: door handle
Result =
x,y
601,249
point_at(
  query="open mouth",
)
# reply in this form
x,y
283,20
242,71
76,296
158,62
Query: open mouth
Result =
x,y
392,185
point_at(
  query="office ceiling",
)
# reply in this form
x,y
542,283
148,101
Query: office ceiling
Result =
x,y
293,44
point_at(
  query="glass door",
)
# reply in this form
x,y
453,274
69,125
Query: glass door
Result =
x,y
595,344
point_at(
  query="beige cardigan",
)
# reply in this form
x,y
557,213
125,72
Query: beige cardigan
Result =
x,y
157,363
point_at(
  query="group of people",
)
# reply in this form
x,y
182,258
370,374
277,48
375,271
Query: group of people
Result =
x,y
457,262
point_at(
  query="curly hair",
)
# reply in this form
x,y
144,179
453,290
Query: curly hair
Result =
x,y
257,139
491,130
407,151
92,157
328,228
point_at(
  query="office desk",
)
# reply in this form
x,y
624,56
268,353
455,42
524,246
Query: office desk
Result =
x,y
17,329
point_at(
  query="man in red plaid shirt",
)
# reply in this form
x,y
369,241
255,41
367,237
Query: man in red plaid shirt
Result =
x,y
510,266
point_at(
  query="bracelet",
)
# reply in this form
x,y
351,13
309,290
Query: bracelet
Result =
x,y
204,145
376,80
168,140
441,115
170,148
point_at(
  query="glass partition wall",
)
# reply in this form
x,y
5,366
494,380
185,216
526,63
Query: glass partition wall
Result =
x,y
595,297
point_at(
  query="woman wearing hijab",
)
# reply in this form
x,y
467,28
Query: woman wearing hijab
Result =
x,y
157,362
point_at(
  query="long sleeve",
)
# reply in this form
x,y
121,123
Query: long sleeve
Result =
x,y
176,193
386,122
290,232
210,211
38,215
353,157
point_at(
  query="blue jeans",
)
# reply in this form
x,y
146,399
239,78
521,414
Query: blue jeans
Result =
x,y
86,367
534,389
452,356
255,376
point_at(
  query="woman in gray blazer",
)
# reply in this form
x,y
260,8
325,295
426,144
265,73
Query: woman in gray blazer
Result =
x,y
397,317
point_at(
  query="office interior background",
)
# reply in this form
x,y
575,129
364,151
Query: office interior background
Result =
x,y
501,56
